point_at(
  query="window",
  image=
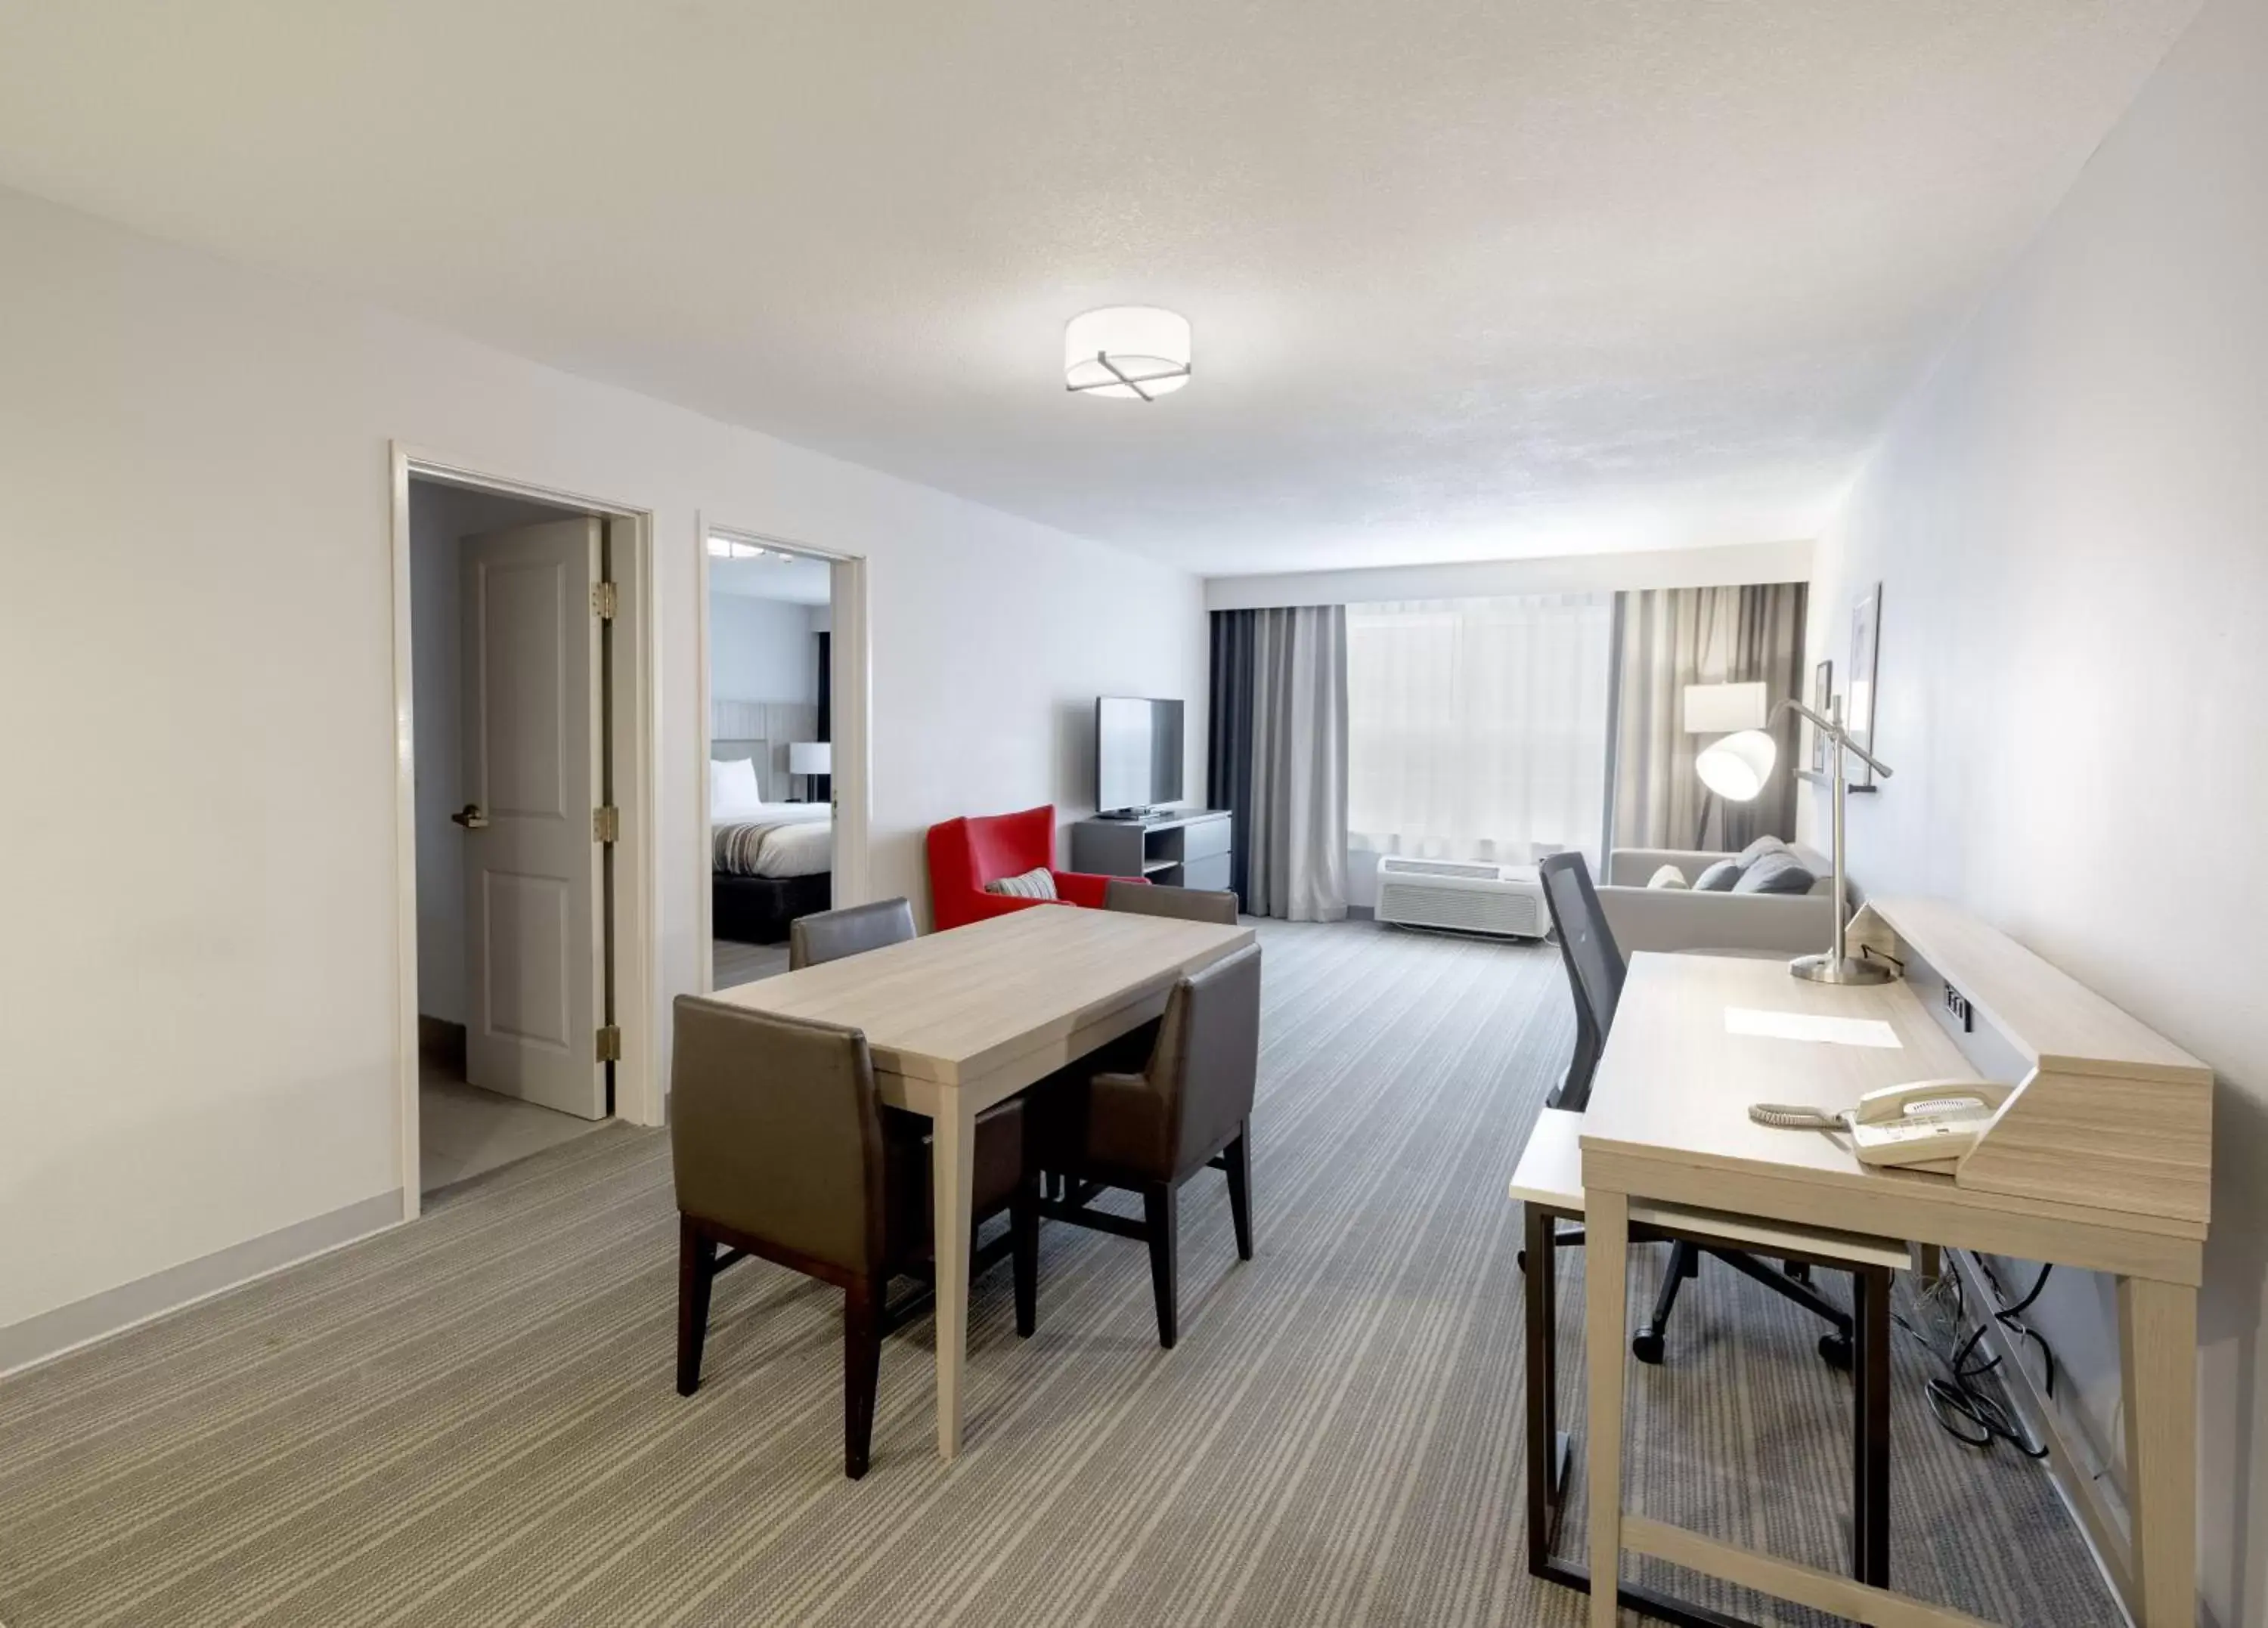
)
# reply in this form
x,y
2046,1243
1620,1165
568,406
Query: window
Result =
x,y
1477,727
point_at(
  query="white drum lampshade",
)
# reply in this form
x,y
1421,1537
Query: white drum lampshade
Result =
x,y
1135,353
1736,767
810,756
1720,708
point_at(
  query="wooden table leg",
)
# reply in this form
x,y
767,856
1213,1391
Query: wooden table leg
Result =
x,y
2157,1336
953,1144
1606,1330
1870,1416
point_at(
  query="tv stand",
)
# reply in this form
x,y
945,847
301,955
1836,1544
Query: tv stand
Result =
x,y
1170,848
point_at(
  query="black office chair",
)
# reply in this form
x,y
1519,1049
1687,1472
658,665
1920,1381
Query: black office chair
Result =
x,y
1595,969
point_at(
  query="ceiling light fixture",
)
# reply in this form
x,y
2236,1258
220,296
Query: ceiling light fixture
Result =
x,y
1132,352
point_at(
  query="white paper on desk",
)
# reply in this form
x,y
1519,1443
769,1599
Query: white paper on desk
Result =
x,y
1747,1020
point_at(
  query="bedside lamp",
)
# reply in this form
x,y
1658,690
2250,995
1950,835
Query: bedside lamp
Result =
x,y
814,761
1737,767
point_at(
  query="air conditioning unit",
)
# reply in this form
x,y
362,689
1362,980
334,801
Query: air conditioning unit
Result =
x,y
1462,896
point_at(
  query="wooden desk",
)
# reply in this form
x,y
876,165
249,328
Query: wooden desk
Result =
x,y
959,1020
1668,1122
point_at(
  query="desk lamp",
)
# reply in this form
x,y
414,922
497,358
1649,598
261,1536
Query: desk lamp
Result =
x,y
1736,768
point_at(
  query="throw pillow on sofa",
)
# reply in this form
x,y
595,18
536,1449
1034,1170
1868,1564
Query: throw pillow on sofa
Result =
x,y
1780,872
1758,849
1036,883
1668,876
1719,878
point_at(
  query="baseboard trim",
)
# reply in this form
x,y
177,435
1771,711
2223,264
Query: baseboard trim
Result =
x,y
48,1335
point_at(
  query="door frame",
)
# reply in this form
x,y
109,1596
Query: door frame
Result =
x,y
849,673
636,744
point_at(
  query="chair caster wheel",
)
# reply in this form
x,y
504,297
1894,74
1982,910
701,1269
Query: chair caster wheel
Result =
x,y
1797,1270
1835,1349
1646,1347
1522,1259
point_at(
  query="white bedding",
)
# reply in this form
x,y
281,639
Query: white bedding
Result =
x,y
784,840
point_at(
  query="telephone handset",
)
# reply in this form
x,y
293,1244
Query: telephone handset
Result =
x,y
1927,1123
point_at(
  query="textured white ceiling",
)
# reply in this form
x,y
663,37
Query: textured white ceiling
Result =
x,y
1469,277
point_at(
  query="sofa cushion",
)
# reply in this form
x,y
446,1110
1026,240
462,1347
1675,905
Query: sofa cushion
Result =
x,y
1719,878
1758,849
1780,872
1668,876
1035,884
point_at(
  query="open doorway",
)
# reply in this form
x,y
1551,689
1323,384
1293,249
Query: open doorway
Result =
x,y
778,838
515,819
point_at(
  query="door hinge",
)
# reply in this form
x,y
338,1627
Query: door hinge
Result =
x,y
607,824
610,1044
603,601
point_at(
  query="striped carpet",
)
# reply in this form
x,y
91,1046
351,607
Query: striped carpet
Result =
x,y
471,1420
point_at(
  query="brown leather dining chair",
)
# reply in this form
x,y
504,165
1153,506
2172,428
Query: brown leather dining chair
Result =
x,y
778,1138
1183,903
1188,1110
831,934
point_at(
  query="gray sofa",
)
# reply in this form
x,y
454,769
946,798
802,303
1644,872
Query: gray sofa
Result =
x,y
1676,919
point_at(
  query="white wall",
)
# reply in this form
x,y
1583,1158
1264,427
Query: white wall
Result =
x,y
762,650
196,649
2071,521
439,516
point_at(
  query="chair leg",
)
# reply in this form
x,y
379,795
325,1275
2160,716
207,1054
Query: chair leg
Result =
x,y
1239,1167
1161,1211
1024,1230
697,1269
862,1371
1646,1344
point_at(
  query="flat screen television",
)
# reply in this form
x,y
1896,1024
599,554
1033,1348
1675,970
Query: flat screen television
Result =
x,y
1137,753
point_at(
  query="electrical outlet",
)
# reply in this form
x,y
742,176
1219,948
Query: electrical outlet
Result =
x,y
1957,1005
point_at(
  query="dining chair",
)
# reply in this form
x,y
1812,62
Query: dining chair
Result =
x,y
1595,971
1183,903
777,1137
831,934
1188,1109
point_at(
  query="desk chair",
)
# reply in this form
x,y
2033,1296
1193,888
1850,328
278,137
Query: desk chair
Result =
x,y
776,1139
1189,1110
1595,969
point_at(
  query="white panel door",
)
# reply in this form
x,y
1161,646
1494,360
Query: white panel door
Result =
x,y
534,976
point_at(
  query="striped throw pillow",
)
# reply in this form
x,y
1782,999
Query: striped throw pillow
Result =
x,y
1031,885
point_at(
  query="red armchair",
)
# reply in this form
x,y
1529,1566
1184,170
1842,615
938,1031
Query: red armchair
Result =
x,y
966,854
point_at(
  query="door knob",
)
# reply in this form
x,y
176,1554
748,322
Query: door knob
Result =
x,y
471,816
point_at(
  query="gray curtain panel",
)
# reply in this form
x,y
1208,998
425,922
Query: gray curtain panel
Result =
x,y
1671,637
1277,759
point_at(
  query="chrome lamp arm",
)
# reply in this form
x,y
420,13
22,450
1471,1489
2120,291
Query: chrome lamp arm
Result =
x,y
1837,966
1834,731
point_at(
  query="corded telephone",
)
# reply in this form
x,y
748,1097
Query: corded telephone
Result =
x,y
1927,1124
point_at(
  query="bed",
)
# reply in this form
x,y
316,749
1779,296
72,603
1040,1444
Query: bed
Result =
x,y
770,860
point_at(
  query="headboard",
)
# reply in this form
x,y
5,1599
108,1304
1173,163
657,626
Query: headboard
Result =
x,y
762,732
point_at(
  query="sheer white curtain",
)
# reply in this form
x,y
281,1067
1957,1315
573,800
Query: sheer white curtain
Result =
x,y
1477,727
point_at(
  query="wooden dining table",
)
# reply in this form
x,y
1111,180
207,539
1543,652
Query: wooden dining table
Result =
x,y
961,1020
